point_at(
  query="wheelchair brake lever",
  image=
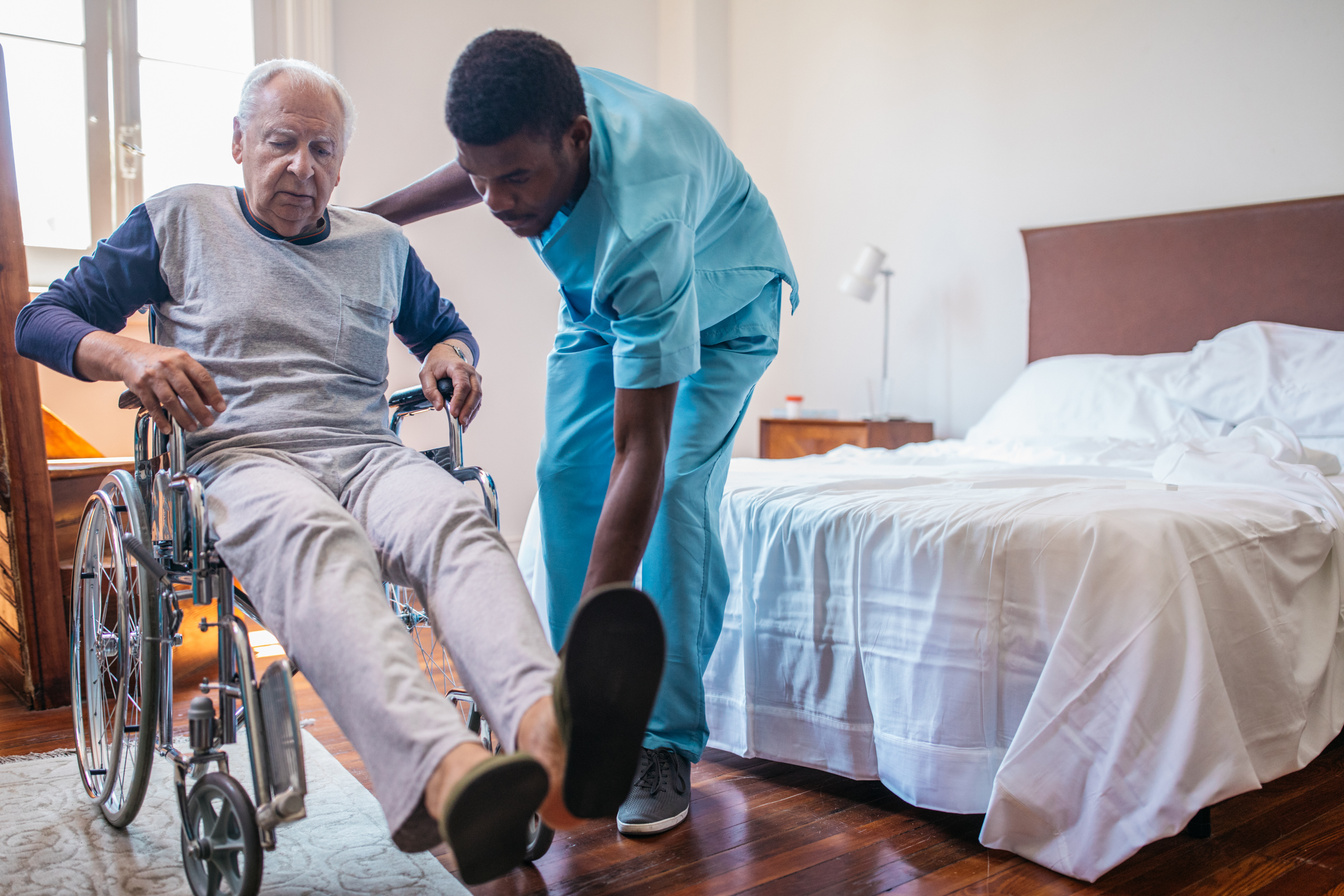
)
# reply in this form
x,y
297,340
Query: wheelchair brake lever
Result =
x,y
152,566
145,557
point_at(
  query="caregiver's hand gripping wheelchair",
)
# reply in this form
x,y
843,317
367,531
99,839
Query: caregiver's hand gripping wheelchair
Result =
x,y
145,546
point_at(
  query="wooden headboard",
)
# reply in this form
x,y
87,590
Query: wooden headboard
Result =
x,y
1160,284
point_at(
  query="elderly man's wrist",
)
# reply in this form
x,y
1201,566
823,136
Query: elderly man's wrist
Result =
x,y
460,351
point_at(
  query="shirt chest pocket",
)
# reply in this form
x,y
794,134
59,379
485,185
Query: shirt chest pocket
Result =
x,y
362,344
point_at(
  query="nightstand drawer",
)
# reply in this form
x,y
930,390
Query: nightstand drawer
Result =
x,y
796,438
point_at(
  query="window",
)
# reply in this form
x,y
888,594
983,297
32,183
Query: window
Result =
x,y
112,101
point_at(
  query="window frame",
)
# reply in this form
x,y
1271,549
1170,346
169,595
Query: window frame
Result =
x,y
297,28
112,131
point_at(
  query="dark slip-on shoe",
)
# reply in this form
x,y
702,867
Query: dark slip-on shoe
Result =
x,y
610,668
486,815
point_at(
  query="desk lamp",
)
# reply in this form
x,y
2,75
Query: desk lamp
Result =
x,y
861,283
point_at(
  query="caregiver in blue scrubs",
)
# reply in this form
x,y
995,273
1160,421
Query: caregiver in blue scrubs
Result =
x,y
671,270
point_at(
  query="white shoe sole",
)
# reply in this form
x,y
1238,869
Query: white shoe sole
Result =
x,y
652,827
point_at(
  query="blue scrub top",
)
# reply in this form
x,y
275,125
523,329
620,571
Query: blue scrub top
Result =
x,y
669,238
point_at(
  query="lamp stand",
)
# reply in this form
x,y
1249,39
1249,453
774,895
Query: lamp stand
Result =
x,y
879,393
886,316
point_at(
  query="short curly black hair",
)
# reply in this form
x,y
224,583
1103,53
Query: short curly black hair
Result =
x,y
509,81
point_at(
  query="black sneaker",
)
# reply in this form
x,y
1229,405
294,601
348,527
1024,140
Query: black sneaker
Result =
x,y
660,798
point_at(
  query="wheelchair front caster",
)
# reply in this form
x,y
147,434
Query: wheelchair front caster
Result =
x,y
539,837
221,848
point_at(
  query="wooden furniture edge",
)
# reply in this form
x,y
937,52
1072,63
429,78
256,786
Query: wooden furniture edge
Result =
x,y
46,677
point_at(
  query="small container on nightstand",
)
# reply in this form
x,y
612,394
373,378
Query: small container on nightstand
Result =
x,y
796,438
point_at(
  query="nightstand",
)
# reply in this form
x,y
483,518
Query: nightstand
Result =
x,y
812,435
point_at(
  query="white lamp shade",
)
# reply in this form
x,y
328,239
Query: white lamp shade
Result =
x,y
861,281
869,263
858,287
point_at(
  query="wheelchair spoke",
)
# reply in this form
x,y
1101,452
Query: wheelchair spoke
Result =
x,y
133,715
210,821
224,833
434,659
127,625
229,870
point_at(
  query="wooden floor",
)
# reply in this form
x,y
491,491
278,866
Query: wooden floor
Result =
x,y
765,828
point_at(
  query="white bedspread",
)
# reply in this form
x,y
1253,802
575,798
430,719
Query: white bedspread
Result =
x,y
1050,636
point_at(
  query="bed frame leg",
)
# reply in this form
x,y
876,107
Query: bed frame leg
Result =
x,y
1201,825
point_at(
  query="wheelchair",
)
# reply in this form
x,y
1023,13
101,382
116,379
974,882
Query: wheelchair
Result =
x,y
145,546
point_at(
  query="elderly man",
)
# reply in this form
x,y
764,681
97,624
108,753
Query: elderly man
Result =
x,y
274,311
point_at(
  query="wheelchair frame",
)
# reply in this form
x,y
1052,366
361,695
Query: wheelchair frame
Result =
x,y
125,620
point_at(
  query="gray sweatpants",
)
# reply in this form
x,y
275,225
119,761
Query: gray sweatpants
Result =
x,y
312,534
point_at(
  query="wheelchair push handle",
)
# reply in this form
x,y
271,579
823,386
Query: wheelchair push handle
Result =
x,y
415,396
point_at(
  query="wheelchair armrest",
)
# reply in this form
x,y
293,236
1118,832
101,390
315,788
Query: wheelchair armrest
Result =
x,y
486,482
413,399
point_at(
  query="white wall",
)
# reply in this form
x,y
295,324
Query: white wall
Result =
x,y
933,128
937,128
394,58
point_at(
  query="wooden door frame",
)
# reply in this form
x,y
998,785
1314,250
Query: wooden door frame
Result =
x,y
40,673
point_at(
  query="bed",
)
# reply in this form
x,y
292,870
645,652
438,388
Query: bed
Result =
x,y
1106,608
1118,600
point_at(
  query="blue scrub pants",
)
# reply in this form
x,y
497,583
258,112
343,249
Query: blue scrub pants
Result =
x,y
683,569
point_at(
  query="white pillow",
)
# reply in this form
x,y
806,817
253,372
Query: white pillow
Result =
x,y
1094,396
1259,369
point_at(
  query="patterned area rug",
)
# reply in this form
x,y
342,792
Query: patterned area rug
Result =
x,y
53,841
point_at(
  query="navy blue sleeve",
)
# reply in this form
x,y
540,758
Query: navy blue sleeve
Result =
x,y
99,293
427,318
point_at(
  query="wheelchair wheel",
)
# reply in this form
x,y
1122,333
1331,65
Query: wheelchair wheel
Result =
x,y
539,837
221,847
139,714
114,660
434,658
99,652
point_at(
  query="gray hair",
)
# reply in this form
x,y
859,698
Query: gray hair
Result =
x,y
302,74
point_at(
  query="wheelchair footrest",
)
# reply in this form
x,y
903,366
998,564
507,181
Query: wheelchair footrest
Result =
x,y
284,749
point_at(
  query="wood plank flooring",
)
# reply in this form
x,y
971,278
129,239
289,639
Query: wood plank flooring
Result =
x,y
769,829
